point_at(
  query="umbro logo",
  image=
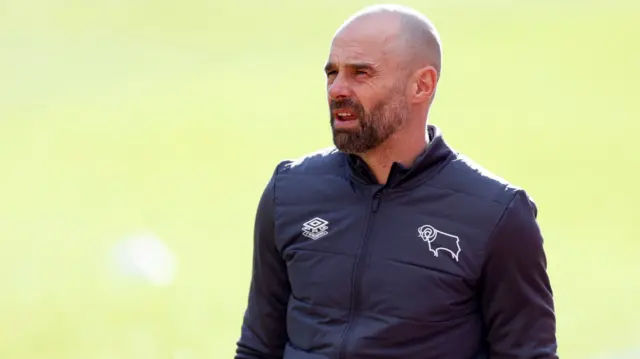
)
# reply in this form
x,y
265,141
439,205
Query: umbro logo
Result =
x,y
315,228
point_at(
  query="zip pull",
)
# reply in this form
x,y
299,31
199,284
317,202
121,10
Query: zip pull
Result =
x,y
376,202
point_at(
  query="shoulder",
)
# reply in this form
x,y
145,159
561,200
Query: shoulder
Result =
x,y
316,177
465,176
326,161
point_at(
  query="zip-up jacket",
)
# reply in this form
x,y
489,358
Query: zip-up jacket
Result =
x,y
444,261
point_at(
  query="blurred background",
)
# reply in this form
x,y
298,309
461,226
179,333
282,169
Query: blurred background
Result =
x,y
136,137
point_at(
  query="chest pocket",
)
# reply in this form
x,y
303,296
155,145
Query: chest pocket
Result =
x,y
318,235
421,272
320,262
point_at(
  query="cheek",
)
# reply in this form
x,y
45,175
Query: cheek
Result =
x,y
393,111
368,91
372,103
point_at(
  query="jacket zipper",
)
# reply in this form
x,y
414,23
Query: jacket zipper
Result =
x,y
355,284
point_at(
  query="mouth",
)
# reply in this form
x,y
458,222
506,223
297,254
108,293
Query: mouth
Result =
x,y
345,117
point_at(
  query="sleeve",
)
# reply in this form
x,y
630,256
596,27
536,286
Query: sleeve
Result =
x,y
516,294
263,331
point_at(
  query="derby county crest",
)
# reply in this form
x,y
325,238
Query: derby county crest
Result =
x,y
439,241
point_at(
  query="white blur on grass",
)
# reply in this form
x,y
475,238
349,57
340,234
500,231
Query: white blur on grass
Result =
x,y
143,257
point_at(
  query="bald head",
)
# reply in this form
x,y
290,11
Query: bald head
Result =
x,y
409,34
382,74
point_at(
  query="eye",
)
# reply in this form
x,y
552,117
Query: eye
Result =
x,y
331,73
361,73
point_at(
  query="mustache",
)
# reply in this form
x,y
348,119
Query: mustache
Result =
x,y
345,103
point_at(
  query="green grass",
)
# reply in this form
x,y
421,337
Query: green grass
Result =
x,y
170,116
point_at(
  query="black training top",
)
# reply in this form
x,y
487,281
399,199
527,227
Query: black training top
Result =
x,y
445,261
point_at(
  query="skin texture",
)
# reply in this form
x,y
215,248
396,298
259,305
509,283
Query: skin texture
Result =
x,y
384,65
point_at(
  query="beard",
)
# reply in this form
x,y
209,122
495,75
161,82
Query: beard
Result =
x,y
374,126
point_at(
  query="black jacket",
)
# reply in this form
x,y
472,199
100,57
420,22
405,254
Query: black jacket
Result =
x,y
445,261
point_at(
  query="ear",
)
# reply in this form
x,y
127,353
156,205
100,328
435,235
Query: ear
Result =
x,y
425,81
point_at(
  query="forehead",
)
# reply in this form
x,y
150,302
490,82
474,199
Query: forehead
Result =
x,y
364,41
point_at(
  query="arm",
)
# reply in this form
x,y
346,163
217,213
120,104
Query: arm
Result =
x,y
516,295
264,332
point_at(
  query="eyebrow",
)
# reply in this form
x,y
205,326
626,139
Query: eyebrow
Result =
x,y
355,66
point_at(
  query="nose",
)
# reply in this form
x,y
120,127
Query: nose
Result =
x,y
339,88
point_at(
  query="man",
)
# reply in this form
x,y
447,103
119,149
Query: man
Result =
x,y
391,244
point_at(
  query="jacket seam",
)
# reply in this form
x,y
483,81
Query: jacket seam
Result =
x,y
274,203
374,313
471,194
496,227
493,200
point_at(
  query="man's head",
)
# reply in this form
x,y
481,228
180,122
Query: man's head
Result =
x,y
382,73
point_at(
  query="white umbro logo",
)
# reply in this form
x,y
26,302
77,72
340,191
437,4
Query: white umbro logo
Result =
x,y
315,228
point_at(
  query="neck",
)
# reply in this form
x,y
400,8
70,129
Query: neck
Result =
x,y
403,147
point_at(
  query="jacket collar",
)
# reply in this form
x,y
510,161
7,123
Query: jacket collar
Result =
x,y
436,154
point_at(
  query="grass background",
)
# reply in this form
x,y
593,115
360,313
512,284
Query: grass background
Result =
x,y
165,116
